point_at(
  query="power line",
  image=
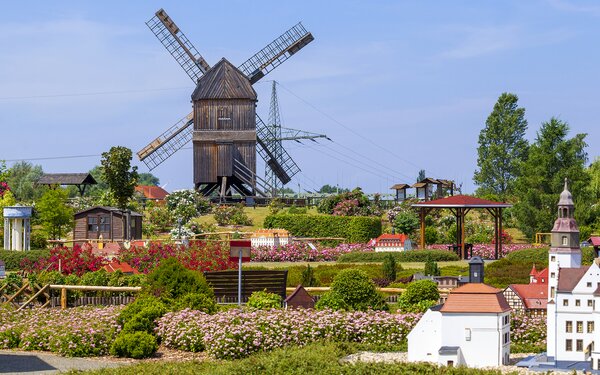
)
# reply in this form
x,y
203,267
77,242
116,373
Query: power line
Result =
x,y
54,158
92,93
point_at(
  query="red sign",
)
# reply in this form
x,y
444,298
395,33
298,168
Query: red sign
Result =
x,y
234,250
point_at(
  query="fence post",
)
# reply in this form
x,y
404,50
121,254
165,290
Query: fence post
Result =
x,y
63,298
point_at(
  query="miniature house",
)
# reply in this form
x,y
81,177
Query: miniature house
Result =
x,y
390,242
17,227
108,223
270,237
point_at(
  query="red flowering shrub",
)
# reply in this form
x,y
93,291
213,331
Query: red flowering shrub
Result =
x,y
3,188
77,260
199,256
505,236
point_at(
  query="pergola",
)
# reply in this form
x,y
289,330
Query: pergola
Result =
x,y
460,205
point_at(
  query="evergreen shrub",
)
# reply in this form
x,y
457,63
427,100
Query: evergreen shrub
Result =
x,y
134,345
264,300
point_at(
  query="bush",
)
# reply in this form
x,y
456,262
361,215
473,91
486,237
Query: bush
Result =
x,y
197,301
354,228
38,240
134,345
404,256
12,259
143,321
172,280
308,277
389,267
137,306
406,222
357,290
231,215
431,268
418,294
264,300
331,300
431,235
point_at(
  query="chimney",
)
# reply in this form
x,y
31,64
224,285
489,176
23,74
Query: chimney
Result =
x,y
476,266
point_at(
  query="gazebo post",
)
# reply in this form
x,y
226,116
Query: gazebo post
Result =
x,y
422,218
462,232
499,232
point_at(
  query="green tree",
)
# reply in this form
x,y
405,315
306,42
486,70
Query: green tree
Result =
x,y
502,147
419,295
119,175
55,215
329,189
148,179
421,176
21,179
389,267
552,158
431,268
406,222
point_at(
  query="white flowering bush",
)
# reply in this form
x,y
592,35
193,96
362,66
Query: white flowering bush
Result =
x,y
186,204
238,333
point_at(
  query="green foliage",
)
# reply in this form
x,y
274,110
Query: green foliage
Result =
x,y
48,277
143,321
119,175
389,267
99,278
404,256
504,272
431,235
308,277
552,157
21,179
362,204
157,219
140,303
431,268
7,199
134,345
420,293
187,204
264,300
13,259
172,280
275,206
537,256
357,290
231,215
38,240
197,301
354,229
55,215
502,147
294,210
148,179
331,300
406,222
328,189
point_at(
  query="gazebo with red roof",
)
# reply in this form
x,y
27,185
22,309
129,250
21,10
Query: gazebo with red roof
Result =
x,y
460,205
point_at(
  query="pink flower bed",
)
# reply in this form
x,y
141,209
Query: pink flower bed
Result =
x,y
301,252
487,251
238,333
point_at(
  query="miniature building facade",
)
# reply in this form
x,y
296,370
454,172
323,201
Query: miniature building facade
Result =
x,y
108,223
270,237
390,242
17,227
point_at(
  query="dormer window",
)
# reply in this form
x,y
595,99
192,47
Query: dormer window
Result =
x,y
565,240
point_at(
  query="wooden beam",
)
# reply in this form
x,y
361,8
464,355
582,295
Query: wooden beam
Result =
x,y
42,290
422,217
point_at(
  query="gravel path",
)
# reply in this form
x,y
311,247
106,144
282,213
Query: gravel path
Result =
x,y
13,362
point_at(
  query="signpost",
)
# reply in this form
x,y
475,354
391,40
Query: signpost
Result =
x,y
239,249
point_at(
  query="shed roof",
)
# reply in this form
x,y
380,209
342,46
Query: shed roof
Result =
x,y
114,210
475,298
400,186
463,201
569,277
224,81
67,179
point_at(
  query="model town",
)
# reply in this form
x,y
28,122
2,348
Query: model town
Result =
x,y
241,274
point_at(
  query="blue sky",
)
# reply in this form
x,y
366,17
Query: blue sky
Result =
x,y
398,86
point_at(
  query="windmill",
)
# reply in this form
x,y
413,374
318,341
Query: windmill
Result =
x,y
282,134
224,128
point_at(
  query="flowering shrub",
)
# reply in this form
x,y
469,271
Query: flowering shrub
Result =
x,y
505,237
199,256
487,251
231,215
302,252
528,333
3,188
186,204
80,331
77,260
237,333
347,207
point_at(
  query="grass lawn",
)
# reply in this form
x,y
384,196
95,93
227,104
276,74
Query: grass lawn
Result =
x,y
257,215
405,265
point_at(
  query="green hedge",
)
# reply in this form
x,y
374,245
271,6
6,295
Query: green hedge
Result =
x,y
12,259
403,256
353,228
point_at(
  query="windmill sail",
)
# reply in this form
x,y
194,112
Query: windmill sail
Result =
x,y
276,52
282,165
167,143
178,45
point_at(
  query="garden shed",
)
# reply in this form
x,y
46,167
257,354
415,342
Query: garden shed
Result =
x,y
108,222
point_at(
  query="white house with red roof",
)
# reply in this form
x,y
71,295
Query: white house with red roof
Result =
x,y
472,328
390,242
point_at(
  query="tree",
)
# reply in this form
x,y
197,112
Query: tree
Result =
x,y
389,267
148,179
120,177
502,147
55,215
421,175
406,222
552,157
431,268
419,295
21,179
328,189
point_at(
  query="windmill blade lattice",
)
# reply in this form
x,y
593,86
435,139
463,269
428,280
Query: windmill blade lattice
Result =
x,y
178,45
284,167
167,143
276,52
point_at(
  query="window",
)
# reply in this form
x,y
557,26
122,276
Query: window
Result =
x,y
579,327
565,241
506,320
553,258
579,345
590,326
569,326
577,302
92,224
589,285
224,119
552,275
590,303
565,302
467,334
552,292
569,345
506,338
104,223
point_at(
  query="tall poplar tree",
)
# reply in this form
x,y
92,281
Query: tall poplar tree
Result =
x,y
502,147
119,175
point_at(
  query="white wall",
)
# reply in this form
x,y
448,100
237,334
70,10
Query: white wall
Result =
x,y
425,339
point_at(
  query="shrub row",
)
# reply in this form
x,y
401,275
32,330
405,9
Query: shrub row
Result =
x,y
352,228
12,259
403,256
